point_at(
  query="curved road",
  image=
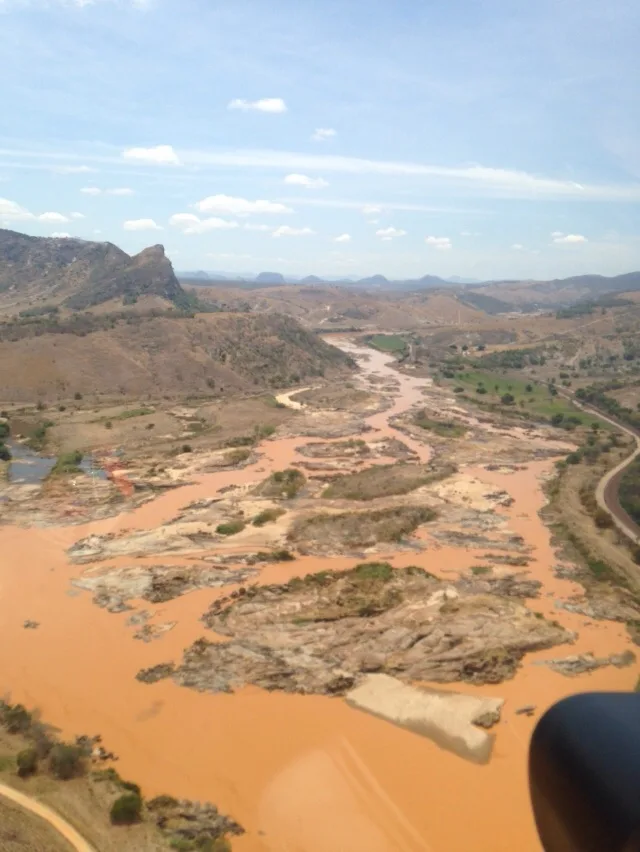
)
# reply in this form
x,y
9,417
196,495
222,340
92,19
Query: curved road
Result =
x,y
60,825
607,488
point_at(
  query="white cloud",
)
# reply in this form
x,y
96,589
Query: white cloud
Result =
x,y
273,105
239,206
343,238
184,220
163,155
77,215
191,224
73,170
492,182
517,247
390,233
308,182
371,210
557,234
119,190
97,231
286,231
141,225
249,226
57,235
53,217
570,239
12,212
440,243
322,134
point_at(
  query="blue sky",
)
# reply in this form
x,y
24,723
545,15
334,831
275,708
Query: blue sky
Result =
x,y
486,139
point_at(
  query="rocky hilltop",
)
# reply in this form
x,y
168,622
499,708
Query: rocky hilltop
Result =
x,y
79,274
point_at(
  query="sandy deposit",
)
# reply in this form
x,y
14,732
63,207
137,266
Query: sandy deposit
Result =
x,y
300,773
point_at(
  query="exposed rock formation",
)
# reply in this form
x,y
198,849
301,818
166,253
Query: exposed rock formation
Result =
x,y
321,633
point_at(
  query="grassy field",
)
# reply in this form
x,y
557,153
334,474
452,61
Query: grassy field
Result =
x,y
21,831
387,342
533,399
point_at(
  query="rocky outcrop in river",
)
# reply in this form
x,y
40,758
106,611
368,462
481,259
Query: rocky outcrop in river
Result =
x,y
323,632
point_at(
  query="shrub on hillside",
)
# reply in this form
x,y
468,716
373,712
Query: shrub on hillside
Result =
x,y
27,761
603,519
126,809
65,761
230,528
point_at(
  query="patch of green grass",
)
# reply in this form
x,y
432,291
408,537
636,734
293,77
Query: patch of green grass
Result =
x,y
478,570
133,412
387,342
444,428
67,464
230,528
7,763
373,571
537,401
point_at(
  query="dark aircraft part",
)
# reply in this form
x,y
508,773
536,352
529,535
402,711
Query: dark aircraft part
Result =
x,y
584,774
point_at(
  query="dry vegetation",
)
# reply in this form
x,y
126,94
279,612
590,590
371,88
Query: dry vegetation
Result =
x,y
23,832
213,355
385,481
349,531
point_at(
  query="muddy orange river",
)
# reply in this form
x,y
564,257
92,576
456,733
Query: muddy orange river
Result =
x,y
302,774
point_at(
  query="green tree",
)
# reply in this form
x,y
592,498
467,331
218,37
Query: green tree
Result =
x,y
126,810
27,761
65,761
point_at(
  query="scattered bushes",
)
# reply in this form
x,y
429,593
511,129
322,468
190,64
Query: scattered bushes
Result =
x,y
283,484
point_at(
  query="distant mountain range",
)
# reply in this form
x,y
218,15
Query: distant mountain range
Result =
x,y
493,295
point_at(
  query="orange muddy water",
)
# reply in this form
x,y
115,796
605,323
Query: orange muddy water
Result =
x,y
301,773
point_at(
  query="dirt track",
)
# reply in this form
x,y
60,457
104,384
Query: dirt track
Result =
x,y
43,812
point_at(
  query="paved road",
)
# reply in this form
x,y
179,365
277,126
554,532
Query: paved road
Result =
x,y
607,488
48,815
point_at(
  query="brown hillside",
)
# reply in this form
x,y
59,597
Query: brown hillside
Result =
x,y
327,307
38,271
210,354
